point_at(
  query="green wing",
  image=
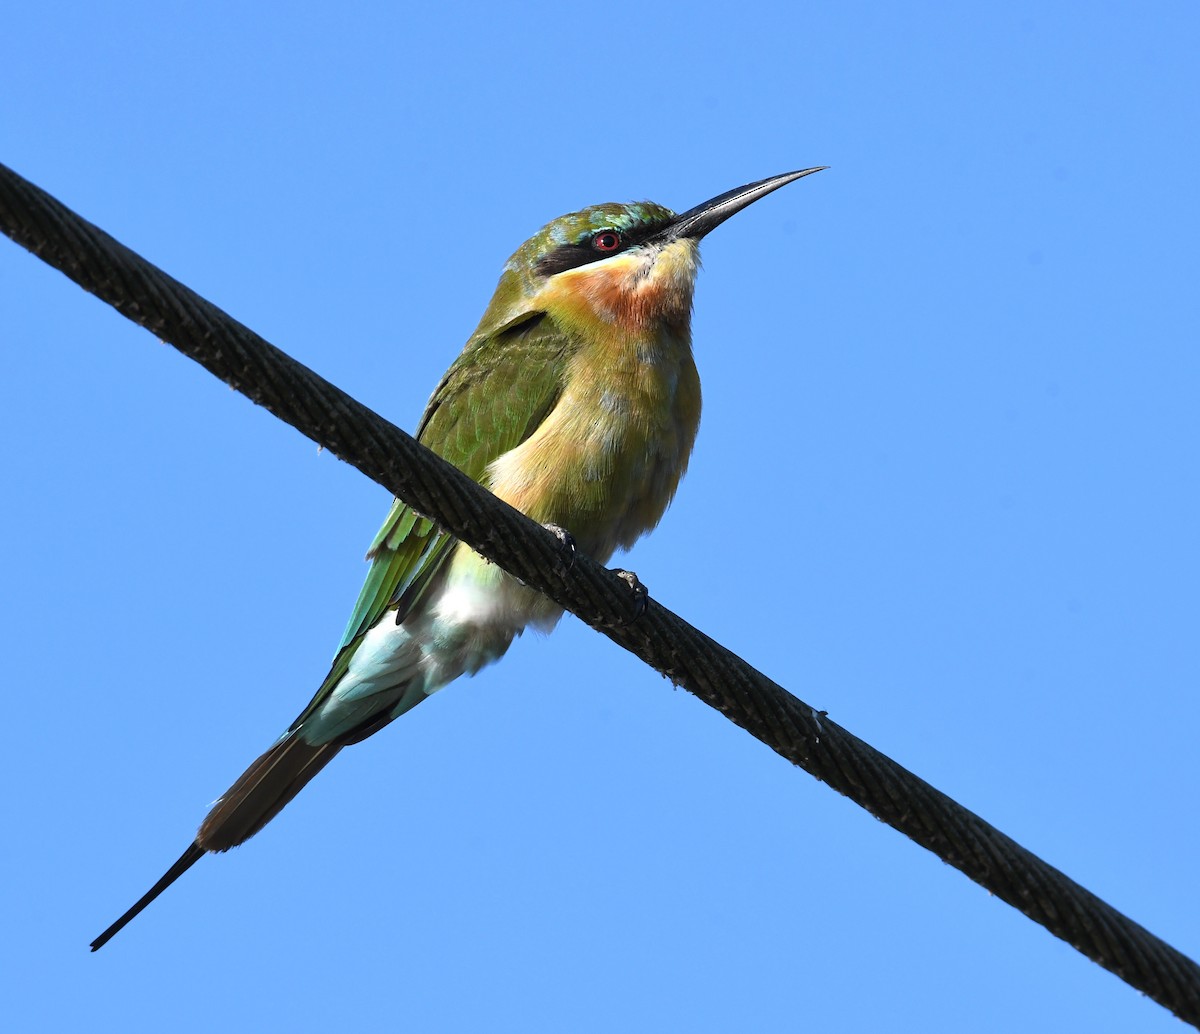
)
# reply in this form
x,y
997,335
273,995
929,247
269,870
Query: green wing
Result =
x,y
493,397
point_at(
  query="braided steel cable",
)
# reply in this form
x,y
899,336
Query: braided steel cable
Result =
x,y
610,603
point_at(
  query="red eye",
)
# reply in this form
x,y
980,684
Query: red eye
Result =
x,y
606,240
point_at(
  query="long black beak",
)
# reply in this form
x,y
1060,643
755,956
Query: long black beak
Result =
x,y
698,221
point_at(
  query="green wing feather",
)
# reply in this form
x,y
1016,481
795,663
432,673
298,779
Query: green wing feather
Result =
x,y
493,397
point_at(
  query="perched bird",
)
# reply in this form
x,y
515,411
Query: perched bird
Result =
x,y
577,401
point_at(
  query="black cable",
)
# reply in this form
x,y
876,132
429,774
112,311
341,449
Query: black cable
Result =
x,y
604,600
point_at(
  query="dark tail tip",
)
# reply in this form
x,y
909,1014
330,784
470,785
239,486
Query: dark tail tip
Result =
x,y
256,798
189,858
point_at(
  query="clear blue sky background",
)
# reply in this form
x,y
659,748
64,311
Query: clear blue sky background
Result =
x,y
945,488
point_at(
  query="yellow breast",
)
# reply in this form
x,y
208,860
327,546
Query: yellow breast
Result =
x,y
606,462
608,459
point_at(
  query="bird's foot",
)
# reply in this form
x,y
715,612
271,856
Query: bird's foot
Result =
x,y
566,542
638,594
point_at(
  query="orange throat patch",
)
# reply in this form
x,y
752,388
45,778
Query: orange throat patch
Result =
x,y
636,292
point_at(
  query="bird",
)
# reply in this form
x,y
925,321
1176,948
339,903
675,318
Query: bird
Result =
x,y
577,401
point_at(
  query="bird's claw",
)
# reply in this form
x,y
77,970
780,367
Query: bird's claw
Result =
x,y
637,591
566,541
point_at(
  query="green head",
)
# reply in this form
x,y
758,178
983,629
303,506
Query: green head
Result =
x,y
628,263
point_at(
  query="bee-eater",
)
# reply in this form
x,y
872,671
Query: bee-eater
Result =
x,y
577,401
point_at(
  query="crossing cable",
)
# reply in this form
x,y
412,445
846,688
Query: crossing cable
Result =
x,y
611,604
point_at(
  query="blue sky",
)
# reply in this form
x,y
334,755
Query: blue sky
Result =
x,y
945,489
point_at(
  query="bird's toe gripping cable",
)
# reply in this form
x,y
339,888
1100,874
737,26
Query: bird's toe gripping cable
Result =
x,y
566,542
637,591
